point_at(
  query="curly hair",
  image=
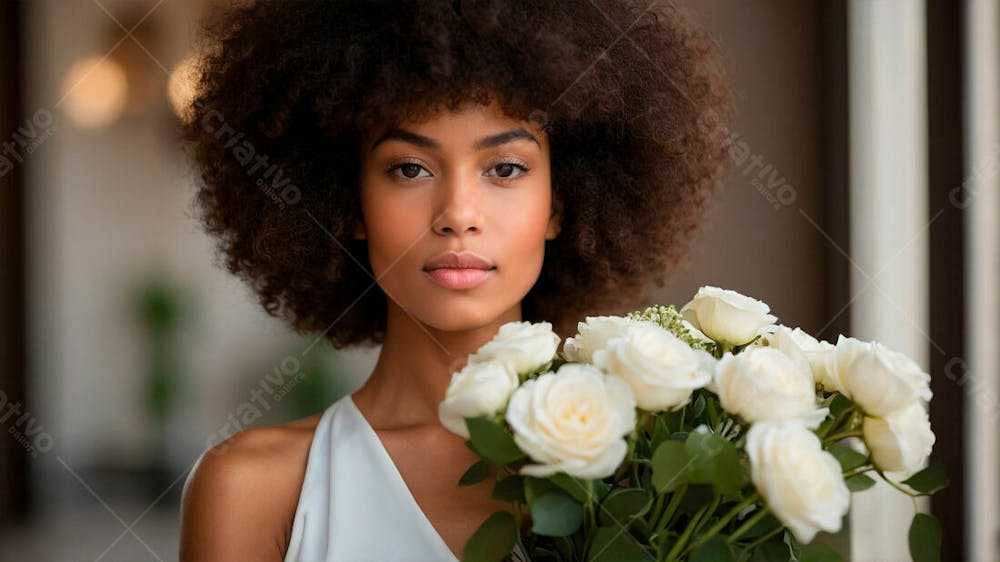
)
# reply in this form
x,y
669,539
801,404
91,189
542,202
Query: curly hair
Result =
x,y
287,90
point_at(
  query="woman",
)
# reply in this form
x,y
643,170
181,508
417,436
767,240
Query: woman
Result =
x,y
415,175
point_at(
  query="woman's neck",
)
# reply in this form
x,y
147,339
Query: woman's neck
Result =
x,y
414,368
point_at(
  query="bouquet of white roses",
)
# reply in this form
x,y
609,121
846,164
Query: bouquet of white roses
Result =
x,y
709,433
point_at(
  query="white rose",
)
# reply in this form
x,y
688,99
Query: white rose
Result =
x,y
727,316
480,389
796,343
801,483
662,370
901,441
525,346
594,334
876,378
573,421
763,383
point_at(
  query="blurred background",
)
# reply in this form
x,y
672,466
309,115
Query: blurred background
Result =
x,y
862,197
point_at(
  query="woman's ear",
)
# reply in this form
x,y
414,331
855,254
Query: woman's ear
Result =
x,y
555,220
359,232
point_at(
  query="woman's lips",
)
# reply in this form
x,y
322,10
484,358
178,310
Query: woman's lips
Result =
x,y
458,278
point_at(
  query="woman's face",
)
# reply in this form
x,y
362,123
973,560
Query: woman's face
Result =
x,y
471,181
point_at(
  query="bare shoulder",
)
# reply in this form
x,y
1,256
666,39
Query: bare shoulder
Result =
x,y
240,497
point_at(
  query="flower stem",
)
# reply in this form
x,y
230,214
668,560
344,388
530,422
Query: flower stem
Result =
x,y
675,502
721,523
843,435
837,421
747,525
711,509
896,486
857,471
682,541
764,539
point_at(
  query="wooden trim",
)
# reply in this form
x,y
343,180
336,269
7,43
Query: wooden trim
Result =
x,y
946,157
14,485
836,165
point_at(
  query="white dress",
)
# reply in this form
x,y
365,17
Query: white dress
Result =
x,y
354,505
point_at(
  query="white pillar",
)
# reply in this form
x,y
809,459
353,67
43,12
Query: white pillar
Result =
x,y
888,216
980,197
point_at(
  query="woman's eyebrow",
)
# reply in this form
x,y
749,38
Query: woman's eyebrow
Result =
x,y
427,142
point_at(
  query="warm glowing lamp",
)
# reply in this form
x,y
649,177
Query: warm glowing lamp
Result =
x,y
95,91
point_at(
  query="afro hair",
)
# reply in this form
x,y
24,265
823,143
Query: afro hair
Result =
x,y
629,93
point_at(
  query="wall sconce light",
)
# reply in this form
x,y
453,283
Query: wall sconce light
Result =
x,y
125,80
96,91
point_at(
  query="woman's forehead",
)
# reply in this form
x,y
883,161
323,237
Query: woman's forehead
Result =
x,y
475,124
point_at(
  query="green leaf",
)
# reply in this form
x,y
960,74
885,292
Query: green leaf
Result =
x,y
771,552
925,538
928,480
661,432
714,461
670,462
493,441
715,550
493,540
839,404
859,483
765,525
509,489
556,514
696,496
475,474
713,410
613,544
625,504
534,488
848,458
672,419
577,487
819,553
698,407
472,447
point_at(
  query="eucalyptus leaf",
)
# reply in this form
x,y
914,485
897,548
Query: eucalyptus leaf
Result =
x,y
715,550
556,514
928,480
614,544
859,482
475,474
925,538
509,489
848,458
577,487
625,504
775,551
714,461
536,487
670,462
493,441
493,540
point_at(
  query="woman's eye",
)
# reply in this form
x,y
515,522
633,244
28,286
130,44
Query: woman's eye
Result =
x,y
503,170
509,170
410,170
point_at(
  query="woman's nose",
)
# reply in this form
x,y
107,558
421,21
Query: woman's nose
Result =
x,y
459,204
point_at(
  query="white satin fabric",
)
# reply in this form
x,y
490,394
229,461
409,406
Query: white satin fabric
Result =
x,y
354,505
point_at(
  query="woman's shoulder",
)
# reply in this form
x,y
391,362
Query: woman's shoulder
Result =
x,y
240,498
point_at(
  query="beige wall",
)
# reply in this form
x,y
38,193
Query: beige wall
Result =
x,y
774,254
